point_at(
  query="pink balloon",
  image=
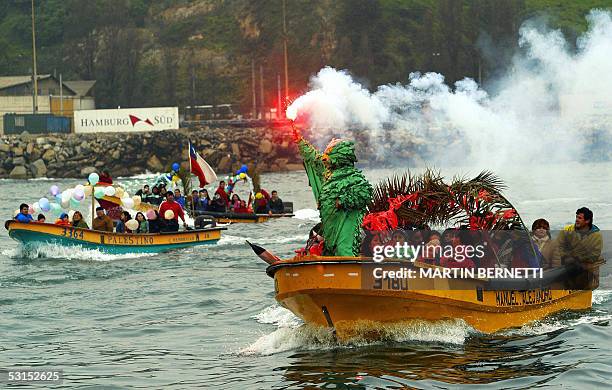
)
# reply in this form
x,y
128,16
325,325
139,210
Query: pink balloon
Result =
x,y
151,214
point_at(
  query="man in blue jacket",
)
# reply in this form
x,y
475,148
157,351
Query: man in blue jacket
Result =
x,y
23,215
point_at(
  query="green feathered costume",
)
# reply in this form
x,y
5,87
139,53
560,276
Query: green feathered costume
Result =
x,y
342,193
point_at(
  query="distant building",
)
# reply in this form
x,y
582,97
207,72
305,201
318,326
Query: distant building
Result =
x,y
16,95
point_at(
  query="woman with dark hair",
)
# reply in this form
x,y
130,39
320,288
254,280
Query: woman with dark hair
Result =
x,y
143,224
235,203
540,234
78,221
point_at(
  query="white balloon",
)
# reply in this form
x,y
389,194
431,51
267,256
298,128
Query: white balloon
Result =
x,y
80,187
137,200
36,207
109,191
128,203
132,224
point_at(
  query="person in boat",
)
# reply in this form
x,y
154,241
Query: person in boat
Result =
x,y
276,204
41,218
432,251
121,228
242,208
143,192
203,201
78,221
261,204
540,234
218,204
170,204
178,198
170,223
143,224
235,203
105,177
222,193
63,220
153,198
581,241
24,214
102,222
162,191
341,191
154,223
458,240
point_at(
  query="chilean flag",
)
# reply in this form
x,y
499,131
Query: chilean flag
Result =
x,y
200,168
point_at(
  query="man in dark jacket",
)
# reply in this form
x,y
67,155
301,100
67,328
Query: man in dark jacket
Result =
x,y
276,204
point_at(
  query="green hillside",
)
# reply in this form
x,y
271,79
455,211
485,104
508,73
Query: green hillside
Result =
x,y
178,52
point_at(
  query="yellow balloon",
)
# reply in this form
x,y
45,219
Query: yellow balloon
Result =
x,y
169,214
87,190
175,178
137,199
119,192
243,175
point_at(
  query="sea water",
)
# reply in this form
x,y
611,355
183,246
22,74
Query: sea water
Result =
x,y
206,317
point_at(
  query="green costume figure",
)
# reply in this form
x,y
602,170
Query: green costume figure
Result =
x,y
342,193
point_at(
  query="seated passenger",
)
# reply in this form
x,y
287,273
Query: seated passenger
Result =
x,y
581,241
24,214
154,223
235,203
458,243
218,204
203,201
540,234
170,225
178,198
62,220
433,249
143,224
41,218
242,208
102,222
261,204
78,221
120,228
276,204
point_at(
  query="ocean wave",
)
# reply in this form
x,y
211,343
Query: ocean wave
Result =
x,y
279,316
554,323
54,251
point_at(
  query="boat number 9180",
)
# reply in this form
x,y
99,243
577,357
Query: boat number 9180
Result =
x,y
72,233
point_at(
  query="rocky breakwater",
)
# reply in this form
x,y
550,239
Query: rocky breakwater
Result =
x,y
76,155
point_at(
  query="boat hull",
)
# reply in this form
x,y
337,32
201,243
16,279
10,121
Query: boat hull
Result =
x,y
242,217
344,294
32,234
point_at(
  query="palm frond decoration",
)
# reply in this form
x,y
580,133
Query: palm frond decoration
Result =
x,y
427,200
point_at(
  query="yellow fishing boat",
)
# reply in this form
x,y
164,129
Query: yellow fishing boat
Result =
x,y
115,243
343,293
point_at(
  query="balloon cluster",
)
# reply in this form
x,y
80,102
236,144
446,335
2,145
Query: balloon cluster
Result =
x,y
71,198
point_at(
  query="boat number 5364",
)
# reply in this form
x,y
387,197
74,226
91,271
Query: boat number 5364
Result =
x,y
72,233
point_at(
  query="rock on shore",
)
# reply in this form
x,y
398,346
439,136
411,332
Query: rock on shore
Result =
x,y
76,155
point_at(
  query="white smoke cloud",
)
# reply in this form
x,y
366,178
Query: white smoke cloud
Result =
x,y
547,106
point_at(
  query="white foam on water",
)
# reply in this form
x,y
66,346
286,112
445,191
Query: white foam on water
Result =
x,y
54,251
601,296
307,214
292,334
279,316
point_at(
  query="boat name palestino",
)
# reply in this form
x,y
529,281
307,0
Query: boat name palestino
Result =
x,y
128,240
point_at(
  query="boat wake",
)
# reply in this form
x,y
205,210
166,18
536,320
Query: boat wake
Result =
x,y
229,240
293,334
307,214
55,252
